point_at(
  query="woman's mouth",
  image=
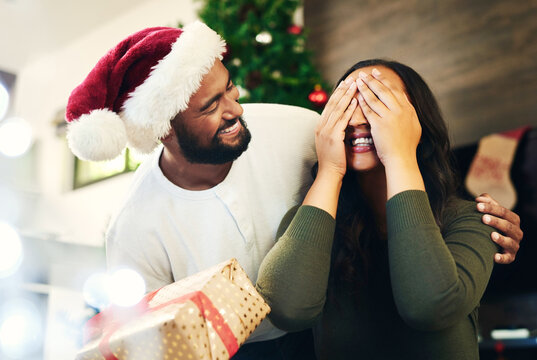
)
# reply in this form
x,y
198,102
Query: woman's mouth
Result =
x,y
361,144
362,141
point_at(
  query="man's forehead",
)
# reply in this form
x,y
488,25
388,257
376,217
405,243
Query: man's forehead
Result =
x,y
213,86
218,73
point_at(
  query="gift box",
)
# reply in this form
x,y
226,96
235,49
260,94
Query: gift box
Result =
x,y
208,315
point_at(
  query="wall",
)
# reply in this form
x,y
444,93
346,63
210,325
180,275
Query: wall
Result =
x,y
477,56
42,90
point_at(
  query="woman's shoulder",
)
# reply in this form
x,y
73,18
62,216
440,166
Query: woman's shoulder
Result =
x,y
463,227
461,212
457,204
286,220
306,220
457,207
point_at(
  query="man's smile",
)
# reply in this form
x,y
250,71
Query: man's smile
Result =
x,y
231,129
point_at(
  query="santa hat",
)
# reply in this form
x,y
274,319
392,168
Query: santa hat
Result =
x,y
134,91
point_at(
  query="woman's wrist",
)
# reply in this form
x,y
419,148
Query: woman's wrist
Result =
x,y
329,173
324,192
403,175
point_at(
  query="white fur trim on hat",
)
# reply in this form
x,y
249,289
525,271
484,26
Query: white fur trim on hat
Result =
x,y
97,136
169,86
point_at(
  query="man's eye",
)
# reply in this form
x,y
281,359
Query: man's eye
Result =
x,y
231,87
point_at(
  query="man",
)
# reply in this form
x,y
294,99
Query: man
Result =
x,y
201,198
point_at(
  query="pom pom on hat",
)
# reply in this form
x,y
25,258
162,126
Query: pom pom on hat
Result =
x,y
99,135
137,88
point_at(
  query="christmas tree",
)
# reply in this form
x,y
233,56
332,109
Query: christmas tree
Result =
x,y
266,53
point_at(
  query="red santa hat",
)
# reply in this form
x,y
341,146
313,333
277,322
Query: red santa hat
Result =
x,y
134,91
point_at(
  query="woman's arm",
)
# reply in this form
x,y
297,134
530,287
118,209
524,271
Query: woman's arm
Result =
x,y
437,279
293,277
396,130
330,147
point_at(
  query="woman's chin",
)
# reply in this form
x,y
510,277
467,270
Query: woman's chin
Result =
x,y
363,163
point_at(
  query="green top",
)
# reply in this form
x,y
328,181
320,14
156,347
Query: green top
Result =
x,y
421,305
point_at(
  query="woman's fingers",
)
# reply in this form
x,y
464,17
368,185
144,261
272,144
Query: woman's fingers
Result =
x,y
336,116
371,98
329,138
376,93
395,127
401,96
346,97
334,98
339,93
369,114
342,105
338,102
348,114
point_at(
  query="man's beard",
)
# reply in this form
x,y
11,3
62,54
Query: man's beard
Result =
x,y
216,152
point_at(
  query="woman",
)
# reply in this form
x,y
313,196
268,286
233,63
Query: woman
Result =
x,y
401,273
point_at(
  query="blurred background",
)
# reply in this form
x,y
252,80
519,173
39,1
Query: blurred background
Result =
x,y
478,57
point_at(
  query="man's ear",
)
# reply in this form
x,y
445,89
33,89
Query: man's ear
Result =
x,y
169,136
171,133
169,139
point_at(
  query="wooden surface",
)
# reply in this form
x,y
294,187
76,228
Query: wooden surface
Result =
x,y
479,57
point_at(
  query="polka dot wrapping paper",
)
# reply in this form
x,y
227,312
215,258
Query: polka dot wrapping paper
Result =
x,y
208,315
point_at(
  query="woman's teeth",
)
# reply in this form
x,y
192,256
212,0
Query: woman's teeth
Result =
x,y
363,141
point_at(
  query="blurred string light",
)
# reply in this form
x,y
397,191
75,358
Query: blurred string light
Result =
x,y
264,37
4,100
15,136
10,250
21,328
124,287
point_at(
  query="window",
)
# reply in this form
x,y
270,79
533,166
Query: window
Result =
x,y
90,172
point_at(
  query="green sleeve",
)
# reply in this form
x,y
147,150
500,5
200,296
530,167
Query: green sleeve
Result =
x,y
293,277
437,279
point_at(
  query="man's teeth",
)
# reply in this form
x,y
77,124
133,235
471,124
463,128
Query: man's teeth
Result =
x,y
230,129
363,141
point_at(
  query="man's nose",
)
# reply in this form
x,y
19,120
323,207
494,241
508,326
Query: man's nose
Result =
x,y
234,109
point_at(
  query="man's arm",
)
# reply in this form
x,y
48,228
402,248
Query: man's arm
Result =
x,y
506,222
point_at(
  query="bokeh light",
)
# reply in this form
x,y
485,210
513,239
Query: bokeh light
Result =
x,y
264,37
11,251
21,328
124,287
96,289
242,92
127,287
15,136
4,101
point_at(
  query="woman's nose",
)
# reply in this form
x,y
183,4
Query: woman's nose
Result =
x,y
358,118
